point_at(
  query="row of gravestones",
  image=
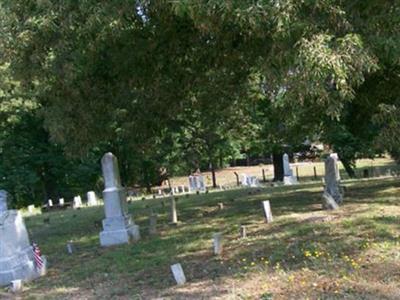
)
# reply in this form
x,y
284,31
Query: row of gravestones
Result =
x,y
17,261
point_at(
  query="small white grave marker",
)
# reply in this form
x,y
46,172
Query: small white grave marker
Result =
x,y
70,247
217,243
174,214
179,276
31,208
243,231
16,285
61,201
50,203
267,211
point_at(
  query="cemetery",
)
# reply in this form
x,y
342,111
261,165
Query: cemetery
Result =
x,y
282,232
199,149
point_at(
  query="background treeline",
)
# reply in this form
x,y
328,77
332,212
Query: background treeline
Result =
x,y
170,86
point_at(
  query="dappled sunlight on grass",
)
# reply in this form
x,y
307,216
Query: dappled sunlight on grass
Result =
x,y
305,252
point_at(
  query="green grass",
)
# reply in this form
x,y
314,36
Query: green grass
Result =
x,y
305,253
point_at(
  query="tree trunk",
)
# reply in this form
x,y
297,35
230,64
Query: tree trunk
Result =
x,y
349,167
277,159
214,178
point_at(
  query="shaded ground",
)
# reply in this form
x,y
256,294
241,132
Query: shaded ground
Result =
x,y
305,253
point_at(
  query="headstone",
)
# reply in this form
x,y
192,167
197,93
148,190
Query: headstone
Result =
x,y
249,181
220,206
16,253
77,202
179,276
267,211
174,214
331,182
196,183
91,198
243,231
153,224
61,202
50,203
217,243
287,171
3,201
288,178
31,209
118,227
16,285
70,247
160,193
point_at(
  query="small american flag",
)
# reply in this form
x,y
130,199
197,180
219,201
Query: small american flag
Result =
x,y
37,256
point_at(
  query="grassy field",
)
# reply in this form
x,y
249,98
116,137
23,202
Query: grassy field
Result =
x,y
306,253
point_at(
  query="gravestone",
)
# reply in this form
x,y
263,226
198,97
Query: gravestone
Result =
x,y
91,198
243,231
267,211
249,181
61,202
174,214
196,183
31,208
77,202
3,201
331,182
16,253
179,276
217,243
288,178
118,227
50,203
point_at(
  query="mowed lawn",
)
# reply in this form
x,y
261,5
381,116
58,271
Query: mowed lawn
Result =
x,y
306,253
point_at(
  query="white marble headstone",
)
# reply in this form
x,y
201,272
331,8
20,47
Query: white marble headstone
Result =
x,y
16,254
118,226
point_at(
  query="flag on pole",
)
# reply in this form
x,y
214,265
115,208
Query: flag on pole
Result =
x,y
37,256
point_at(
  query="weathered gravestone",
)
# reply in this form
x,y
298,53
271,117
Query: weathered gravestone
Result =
x,y
332,187
61,202
217,243
288,178
118,227
16,253
91,198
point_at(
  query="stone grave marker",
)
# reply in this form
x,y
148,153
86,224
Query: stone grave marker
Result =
x,y
91,198
77,202
16,252
118,226
174,214
267,211
217,243
178,273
